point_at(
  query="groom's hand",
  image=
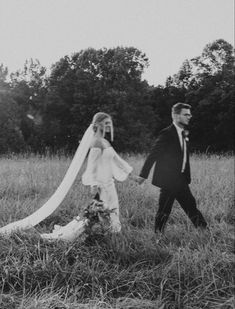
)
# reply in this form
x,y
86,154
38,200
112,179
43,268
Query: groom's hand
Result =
x,y
135,178
140,180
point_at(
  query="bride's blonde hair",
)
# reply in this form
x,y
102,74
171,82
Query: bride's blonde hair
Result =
x,y
97,122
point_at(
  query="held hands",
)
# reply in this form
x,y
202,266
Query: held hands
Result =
x,y
140,180
94,189
137,179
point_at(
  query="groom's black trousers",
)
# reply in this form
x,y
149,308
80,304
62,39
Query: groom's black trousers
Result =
x,y
186,200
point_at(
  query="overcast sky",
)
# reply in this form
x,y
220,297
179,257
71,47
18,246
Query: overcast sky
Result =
x,y
167,31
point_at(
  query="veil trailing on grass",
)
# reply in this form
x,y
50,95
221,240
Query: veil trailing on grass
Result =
x,y
55,200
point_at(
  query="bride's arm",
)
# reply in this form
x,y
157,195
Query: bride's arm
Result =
x,y
127,169
122,164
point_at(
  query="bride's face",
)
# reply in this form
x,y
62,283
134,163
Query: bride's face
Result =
x,y
107,125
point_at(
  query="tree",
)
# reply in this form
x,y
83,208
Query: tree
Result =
x,y
217,58
212,96
3,77
184,78
93,80
28,88
11,138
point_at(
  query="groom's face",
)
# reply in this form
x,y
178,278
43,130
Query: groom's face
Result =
x,y
184,117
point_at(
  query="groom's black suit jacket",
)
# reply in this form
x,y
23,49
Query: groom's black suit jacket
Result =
x,y
168,156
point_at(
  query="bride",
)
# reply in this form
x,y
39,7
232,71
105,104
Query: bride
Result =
x,y
103,166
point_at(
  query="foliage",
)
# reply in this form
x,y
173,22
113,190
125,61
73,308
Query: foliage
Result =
x,y
207,83
106,80
53,111
28,88
11,138
213,98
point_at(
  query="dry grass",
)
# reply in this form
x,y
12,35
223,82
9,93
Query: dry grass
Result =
x,y
186,269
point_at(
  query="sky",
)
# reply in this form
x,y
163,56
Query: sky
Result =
x,y
167,31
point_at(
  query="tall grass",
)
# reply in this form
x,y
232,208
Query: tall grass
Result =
x,y
187,268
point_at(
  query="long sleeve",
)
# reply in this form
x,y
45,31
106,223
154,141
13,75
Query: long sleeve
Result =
x,y
121,169
90,175
157,150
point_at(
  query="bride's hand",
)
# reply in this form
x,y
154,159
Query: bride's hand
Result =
x,y
137,179
140,180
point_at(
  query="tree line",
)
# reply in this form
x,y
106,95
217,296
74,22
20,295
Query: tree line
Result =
x,y
42,112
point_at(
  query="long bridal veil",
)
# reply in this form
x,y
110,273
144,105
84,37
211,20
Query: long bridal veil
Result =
x,y
55,200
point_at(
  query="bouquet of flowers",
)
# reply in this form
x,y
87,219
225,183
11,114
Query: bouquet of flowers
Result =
x,y
98,217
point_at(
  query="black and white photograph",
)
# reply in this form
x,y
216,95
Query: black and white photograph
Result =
x,y
117,154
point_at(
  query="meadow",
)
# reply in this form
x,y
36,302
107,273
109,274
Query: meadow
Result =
x,y
185,269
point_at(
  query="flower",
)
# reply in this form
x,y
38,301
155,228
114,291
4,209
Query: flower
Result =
x,y
185,134
98,217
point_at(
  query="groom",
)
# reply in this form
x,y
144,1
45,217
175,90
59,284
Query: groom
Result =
x,y
172,169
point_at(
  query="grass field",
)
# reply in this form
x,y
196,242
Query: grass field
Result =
x,y
186,269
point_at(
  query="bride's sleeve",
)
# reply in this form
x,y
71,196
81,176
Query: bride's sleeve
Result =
x,y
121,168
89,178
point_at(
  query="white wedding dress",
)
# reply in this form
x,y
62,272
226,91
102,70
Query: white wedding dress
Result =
x,y
103,166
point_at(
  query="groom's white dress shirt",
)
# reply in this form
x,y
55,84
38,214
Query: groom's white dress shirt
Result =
x,y
183,145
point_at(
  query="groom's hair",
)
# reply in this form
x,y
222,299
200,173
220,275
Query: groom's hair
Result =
x,y
176,109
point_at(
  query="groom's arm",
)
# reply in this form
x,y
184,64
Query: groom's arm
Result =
x,y
157,151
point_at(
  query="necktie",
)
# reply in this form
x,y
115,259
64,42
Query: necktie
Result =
x,y
184,146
